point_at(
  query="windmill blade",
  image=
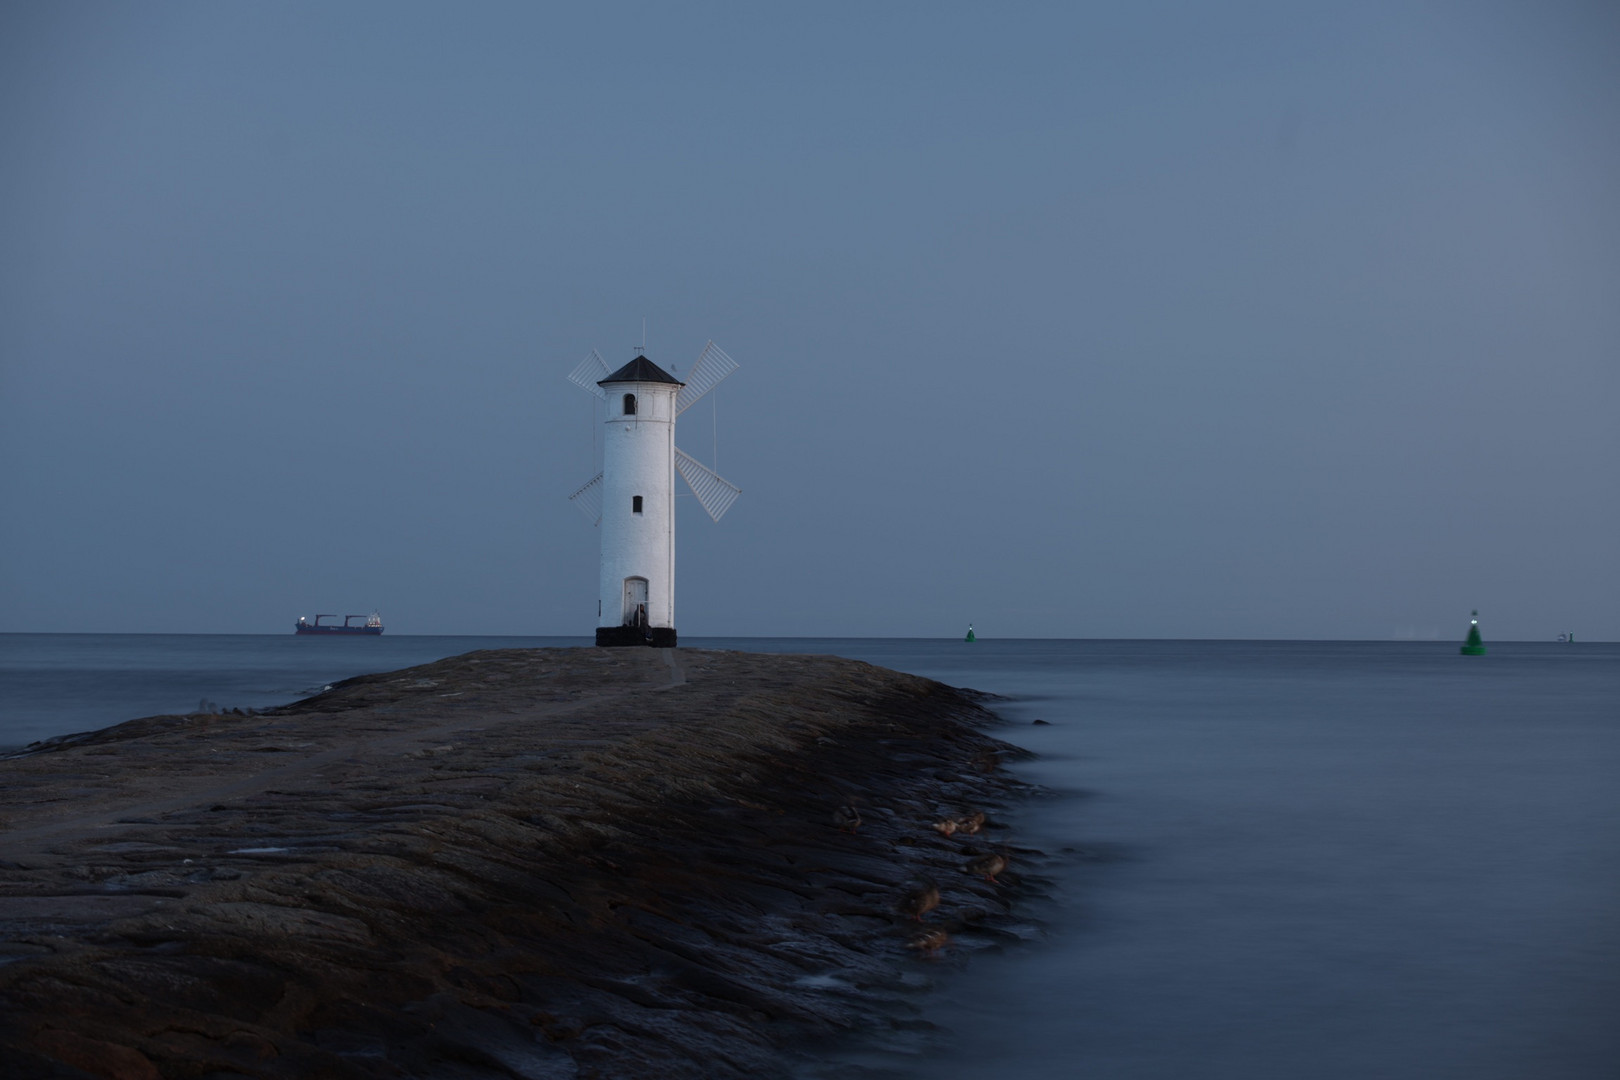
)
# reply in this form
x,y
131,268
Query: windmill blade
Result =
x,y
590,370
705,375
714,494
589,499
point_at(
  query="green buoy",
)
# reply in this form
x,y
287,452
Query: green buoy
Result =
x,y
1473,646
970,639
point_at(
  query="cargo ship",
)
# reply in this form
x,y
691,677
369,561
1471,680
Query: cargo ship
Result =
x,y
369,624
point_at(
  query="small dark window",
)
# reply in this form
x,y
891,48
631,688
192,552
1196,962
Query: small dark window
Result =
x,y
635,504
629,404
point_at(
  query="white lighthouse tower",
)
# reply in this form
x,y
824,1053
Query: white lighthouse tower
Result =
x,y
638,507
633,498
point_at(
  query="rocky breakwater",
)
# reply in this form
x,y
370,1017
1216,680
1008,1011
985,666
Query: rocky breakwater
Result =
x,y
514,863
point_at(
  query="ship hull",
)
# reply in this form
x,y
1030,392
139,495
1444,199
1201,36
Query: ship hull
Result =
x,y
342,631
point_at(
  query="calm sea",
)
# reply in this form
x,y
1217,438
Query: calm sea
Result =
x,y
1269,859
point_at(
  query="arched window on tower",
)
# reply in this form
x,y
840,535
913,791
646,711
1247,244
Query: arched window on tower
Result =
x,y
629,404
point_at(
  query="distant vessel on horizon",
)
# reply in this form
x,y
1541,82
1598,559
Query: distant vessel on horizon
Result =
x,y
372,625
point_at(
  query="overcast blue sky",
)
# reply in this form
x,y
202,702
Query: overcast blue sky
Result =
x,y
1110,320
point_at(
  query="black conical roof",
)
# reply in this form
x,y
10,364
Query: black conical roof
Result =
x,y
640,369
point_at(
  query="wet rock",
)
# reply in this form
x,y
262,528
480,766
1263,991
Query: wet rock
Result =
x,y
516,863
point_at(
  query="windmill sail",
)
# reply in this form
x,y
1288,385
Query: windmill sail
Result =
x,y
714,494
705,375
590,369
589,499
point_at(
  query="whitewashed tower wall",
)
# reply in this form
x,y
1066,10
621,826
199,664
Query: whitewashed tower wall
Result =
x,y
638,460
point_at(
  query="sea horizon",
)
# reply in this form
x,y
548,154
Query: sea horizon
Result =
x,y
795,637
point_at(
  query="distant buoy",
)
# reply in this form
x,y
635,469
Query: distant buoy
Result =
x,y
970,639
1473,646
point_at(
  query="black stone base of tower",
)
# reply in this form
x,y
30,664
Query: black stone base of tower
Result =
x,y
659,637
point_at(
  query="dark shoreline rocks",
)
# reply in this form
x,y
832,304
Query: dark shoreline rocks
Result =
x,y
513,863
